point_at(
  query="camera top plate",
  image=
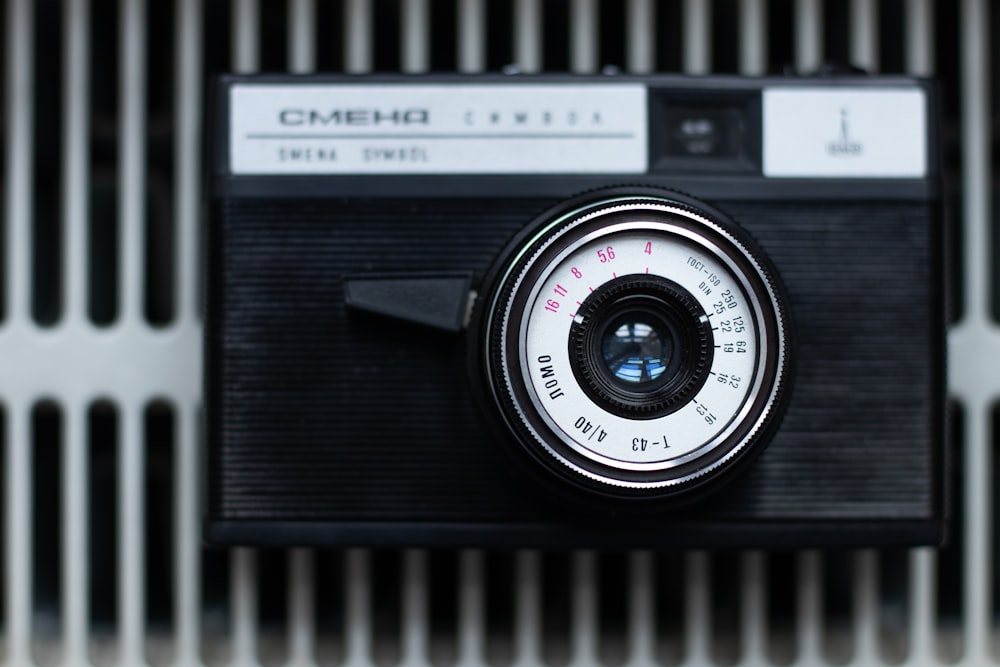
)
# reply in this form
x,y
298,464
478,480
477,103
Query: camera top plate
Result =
x,y
306,135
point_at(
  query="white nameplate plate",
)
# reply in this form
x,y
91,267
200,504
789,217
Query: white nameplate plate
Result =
x,y
438,129
835,132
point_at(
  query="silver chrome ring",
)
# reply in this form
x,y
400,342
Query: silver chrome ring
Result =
x,y
515,308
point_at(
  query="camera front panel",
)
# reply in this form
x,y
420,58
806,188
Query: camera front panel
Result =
x,y
327,424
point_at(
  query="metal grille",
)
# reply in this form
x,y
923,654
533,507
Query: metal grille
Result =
x,y
100,358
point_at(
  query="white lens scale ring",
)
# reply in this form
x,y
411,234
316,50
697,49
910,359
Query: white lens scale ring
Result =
x,y
588,250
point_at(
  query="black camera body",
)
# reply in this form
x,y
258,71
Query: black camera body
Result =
x,y
564,311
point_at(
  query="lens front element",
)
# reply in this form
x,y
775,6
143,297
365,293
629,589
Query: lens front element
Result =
x,y
640,346
636,353
637,346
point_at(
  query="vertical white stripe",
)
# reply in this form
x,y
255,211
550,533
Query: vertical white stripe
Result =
x,y
753,617
131,553
301,607
697,611
17,543
923,600
864,34
584,46
132,195
132,156
187,225
810,607
866,623
527,609
808,35
415,607
472,608
471,35
975,50
974,39
19,126
75,215
244,605
246,32
358,56
753,37
415,35
357,608
187,154
75,546
528,35
641,40
920,37
697,36
642,609
585,630
977,573
301,35
76,115
187,554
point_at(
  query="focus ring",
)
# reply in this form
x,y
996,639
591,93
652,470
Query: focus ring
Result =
x,y
665,311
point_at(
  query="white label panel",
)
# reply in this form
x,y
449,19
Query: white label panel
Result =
x,y
435,129
845,132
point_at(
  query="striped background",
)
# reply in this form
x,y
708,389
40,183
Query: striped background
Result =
x,y
100,358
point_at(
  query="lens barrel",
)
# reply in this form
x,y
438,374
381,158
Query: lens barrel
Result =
x,y
640,346
636,347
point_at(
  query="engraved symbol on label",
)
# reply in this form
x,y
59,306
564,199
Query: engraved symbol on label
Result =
x,y
843,146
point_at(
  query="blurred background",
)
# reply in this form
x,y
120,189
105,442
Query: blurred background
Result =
x,y
100,360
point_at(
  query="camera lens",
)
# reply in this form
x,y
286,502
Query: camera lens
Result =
x,y
636,350
636,346
640,346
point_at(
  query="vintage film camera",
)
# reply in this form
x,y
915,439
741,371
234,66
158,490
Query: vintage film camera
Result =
x,y
562,311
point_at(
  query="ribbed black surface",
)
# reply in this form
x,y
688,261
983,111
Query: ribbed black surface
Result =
x,y
862,431
316,414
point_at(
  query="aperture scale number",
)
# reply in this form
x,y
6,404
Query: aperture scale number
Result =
x,y
604,256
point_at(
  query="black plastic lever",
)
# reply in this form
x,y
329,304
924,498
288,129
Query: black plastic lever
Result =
x,y
435,300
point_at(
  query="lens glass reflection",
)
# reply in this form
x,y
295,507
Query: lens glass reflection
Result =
x,y
635,351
